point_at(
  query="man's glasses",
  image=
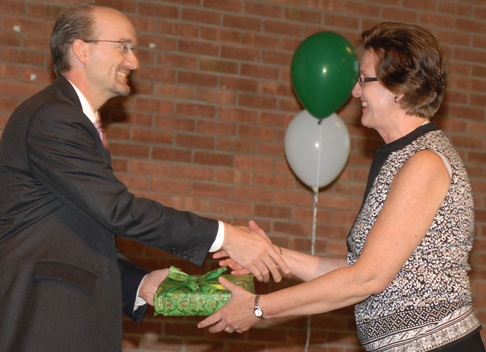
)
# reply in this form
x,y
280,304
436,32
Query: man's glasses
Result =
x,y
362,80
124,46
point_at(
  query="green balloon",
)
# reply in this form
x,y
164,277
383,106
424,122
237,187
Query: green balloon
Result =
x,y
324,71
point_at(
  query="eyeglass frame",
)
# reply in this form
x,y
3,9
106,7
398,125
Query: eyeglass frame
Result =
x,y
125,46
362,81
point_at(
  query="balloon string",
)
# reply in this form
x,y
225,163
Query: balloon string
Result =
x,y
314,225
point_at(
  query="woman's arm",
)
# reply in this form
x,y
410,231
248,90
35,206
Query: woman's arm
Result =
x,y
415,196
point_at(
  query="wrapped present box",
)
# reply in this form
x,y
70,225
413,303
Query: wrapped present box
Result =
x,y
181,294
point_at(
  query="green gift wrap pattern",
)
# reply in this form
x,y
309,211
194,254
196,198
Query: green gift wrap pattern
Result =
x,y
181,294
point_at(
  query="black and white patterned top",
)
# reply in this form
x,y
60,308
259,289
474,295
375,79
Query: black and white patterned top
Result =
x,y
428,304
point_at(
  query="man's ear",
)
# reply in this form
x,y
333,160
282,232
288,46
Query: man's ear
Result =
x,y
80,51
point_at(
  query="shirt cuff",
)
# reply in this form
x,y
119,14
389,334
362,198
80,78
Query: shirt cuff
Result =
x,y
218,242
139,301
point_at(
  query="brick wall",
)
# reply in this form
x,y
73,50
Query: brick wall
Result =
x,y
205,126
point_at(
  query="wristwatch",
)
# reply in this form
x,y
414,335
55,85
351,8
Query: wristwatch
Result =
x,y
256,308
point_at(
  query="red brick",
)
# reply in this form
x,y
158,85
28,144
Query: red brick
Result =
x,y
216,96
429,5
177,60
192,172
277,181
154,105
133,182
257,101
153,137
291,228
193,141
275,88
10,39
470,55
259,9
257,132
160,42
7,105
198,110
300,15
119,165
391,14
275,119
198,79
9,71
232,208
228,5
144,24
22,57
174,91
198,48
456,9
238,115
156,74
307,214
429,19
120,5
220,66
157,10
253,194
215,159
216,127
254,163
332,5
134,119
175,123
282,27
179,29
20,89
242,22
277,58
259,71
41,75
171,154
117,132
239,53
362,9
211,190
170,186
191,204
341,21
128,150
467,113
27,25
239,84
233,176
221,34
200,16
470,26
13,7
261,40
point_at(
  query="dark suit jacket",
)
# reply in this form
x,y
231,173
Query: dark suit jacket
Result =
x,y
61,276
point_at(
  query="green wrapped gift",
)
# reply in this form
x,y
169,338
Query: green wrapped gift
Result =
x,y
181,294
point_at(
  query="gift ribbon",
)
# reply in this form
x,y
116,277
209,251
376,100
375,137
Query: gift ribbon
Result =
x,y
193,282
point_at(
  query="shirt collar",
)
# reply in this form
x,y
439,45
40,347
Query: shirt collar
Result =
x,y
88,111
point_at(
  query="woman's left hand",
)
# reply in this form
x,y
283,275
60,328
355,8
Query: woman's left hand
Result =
x,y
237,315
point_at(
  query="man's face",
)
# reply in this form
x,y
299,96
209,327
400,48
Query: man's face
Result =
x,y
111,63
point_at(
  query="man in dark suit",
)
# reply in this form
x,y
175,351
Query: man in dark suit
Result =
x,y
63,282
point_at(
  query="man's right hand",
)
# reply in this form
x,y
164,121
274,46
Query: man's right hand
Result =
x,y
253,251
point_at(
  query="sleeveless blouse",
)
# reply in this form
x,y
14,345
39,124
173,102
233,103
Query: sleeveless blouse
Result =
x,y
429,302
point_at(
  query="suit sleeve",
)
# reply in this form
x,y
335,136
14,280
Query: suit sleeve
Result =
x,y
66,155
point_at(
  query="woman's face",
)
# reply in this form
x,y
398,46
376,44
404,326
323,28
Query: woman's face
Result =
x,y
377,102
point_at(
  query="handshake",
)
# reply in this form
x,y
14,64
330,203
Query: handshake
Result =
x,y
244,250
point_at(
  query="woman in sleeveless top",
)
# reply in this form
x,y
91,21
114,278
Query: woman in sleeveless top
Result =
x,y
406,272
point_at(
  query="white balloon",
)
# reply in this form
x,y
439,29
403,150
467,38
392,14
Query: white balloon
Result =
x,y
316,152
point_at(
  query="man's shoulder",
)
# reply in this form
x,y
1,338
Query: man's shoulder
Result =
x,y
55,93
